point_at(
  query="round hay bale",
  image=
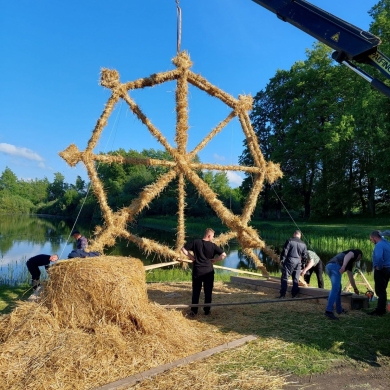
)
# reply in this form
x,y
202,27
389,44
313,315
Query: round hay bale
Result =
x,y
99,290
92,324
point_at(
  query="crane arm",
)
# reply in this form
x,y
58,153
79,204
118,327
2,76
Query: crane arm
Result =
x,y
351,44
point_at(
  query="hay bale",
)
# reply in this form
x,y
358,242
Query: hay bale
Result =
x,y
101,290
93,324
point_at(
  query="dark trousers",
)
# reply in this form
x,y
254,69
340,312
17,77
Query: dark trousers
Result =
x,y
34,270
207,281
291,267
381,279
318,270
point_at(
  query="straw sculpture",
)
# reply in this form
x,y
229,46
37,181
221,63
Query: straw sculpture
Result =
x,y
182,167
93,324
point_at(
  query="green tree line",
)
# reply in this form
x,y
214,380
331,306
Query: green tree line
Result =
x,y
329,131
122,183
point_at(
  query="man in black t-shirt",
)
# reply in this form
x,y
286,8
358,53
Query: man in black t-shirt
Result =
x,y
35,262
203,257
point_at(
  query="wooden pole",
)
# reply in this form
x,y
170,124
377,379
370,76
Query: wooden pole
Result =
x,y
239,271
244,303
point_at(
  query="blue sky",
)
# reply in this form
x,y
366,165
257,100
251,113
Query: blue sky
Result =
x,y
52,53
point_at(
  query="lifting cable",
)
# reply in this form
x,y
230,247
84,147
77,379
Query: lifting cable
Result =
x,y
280,200
178,27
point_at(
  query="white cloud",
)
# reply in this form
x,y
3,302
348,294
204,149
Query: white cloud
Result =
x,y
218,157
20,152
234,178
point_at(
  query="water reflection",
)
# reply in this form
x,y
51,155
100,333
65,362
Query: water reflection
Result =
x,y
23,236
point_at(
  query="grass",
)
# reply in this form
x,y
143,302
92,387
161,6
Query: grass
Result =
x,y
293,338
300,342
10,295
180,275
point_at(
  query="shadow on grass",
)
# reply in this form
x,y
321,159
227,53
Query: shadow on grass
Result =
x,y
293,336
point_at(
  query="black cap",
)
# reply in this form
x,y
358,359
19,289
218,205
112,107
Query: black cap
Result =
x,y
75,232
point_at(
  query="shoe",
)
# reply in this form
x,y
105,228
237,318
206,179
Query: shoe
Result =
x,y
376,313
294,296
281,297
207,313
192,314
342,312
330,315
35,284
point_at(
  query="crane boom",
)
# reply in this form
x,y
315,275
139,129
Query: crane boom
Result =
x,y
351,43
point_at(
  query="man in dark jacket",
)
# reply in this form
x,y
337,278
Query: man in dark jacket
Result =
x,y
35,262
204,252
294,251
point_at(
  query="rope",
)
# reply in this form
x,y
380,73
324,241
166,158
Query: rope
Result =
x,y
178,27
280,200
114,127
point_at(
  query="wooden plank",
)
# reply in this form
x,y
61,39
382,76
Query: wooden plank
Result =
x,y
238,271
134,379
264,301
347,298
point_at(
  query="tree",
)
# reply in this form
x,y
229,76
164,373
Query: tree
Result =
x,y
58,187
9,182
80,185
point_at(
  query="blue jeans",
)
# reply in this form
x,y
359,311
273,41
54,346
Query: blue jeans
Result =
x,y
333,271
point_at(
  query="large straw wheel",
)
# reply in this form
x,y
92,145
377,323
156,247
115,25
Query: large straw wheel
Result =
x,y
181,167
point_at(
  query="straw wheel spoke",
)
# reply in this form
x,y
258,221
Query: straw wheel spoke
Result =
x,y
182,166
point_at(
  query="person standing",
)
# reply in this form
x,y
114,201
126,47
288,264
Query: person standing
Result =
x,y
381,267
35,262
314,264
336,266
81,241
204,252
293,253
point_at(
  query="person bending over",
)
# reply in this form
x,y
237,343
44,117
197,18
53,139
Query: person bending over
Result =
x,y
314,264
33,265
336,266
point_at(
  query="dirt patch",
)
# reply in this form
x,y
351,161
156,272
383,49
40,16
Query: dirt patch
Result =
x,y
373,378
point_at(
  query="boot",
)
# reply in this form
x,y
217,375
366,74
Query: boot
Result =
x,y
35,284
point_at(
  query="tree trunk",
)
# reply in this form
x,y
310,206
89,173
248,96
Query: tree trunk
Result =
x,y
371,196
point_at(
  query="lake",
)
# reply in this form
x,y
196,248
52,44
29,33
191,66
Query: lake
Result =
x,y
24,236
